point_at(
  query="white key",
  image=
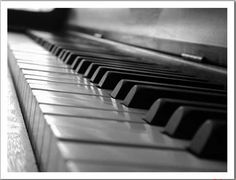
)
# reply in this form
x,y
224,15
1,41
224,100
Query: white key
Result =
x,y
44,68
76,89
159,159
112,132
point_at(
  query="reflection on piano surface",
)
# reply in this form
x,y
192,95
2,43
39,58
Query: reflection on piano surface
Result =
x,y
105,98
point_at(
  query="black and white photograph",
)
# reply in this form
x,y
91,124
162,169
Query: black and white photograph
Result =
x,y
128,89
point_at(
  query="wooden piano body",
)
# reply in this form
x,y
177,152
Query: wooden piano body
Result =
x,y
160,55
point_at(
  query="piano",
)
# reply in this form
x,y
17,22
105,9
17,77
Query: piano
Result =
x,y
122,90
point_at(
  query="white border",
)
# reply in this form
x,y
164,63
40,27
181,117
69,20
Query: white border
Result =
x,y
3,88
119,4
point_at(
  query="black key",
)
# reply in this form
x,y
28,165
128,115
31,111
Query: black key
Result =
x,y
210,141
62,54
111,79
65,55
48,46
54,49
98,74
75,63
162,109
71,58
86,63
82,66
185,121
123,87
93,67
51,47
127,65
141,96
58,51
119,61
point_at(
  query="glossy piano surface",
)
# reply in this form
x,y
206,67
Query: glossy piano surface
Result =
x,y
68,84
170,30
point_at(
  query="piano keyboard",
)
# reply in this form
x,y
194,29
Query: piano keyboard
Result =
x,y
90,108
